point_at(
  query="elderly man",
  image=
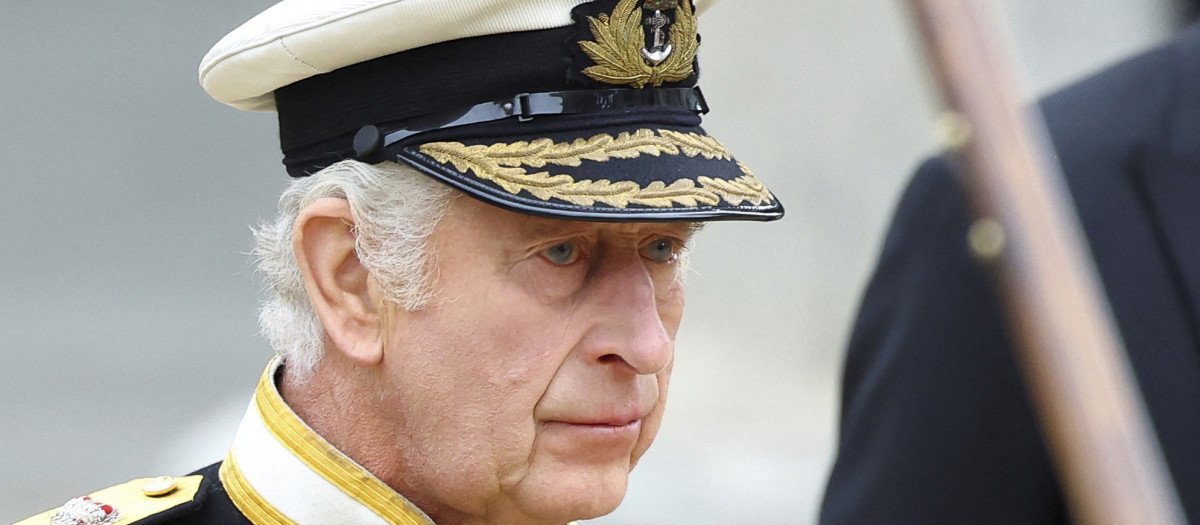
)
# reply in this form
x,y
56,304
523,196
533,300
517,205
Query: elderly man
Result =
x,y
475,281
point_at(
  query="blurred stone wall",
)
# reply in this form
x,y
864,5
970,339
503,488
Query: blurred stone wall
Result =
x,y
127,307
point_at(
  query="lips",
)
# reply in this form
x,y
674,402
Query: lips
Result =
x,y
611,418
605,411
623,425
595,436
606,433
604,422
608,424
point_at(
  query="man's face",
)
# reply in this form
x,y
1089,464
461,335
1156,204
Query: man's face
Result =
x,y
538,376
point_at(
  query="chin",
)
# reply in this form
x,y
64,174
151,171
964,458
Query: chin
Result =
x,y
576,495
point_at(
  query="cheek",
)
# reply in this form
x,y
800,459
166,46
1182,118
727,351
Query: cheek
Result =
x,y
508,347
653,421
523,356
524,340
484,351
473,378
670,302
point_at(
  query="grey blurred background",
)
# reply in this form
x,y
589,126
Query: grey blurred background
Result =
x,y
127,300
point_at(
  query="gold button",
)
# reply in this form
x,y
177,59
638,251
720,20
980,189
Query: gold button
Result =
x,y
160,486
987,239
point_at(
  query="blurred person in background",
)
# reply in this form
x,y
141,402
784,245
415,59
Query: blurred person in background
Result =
x,y
936,423
475,281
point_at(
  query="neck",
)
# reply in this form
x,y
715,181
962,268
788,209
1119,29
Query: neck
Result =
x,y
344,405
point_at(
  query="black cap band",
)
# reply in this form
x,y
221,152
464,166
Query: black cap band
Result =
x,y
432,86
370,141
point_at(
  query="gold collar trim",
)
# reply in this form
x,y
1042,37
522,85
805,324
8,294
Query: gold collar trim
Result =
x,y
318,455
253,505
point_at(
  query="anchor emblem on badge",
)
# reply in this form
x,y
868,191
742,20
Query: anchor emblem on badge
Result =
x,y
642,46
660,47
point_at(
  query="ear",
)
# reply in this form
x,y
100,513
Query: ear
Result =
x,y
338,285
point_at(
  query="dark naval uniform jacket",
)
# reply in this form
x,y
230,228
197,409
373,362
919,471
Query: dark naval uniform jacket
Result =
x,y
936,426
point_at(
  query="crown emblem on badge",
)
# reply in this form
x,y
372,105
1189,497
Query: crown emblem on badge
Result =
x,y
640,47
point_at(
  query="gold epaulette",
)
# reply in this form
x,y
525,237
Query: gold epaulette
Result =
x,y
135,500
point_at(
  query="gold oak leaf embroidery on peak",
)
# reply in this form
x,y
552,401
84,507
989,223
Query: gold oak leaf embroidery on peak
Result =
x,y
693,144
540,152
504,164
619,40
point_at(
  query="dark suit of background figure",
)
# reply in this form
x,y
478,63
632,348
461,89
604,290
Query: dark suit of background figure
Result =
x,y
936,424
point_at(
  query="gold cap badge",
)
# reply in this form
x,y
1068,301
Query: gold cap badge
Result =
x,y
621,52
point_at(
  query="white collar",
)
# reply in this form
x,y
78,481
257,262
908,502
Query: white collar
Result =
x,y
279,471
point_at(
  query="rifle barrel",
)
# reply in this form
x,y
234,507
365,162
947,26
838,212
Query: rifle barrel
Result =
x,y
1088,405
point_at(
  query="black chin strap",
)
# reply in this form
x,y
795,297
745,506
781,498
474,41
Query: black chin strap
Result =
x,y
370,140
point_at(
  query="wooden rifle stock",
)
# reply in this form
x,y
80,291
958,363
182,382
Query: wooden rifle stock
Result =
x,y
1088,405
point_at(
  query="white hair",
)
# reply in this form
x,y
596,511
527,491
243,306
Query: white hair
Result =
x,y
395,209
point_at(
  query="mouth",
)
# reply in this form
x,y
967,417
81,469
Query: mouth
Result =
x,y
614,421
609,431
616,418
602,425
596,436
627,423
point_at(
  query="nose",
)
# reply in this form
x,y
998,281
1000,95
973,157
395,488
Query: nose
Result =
x,y
635,326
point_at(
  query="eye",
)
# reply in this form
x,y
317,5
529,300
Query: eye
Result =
x,y
661,250
562,254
